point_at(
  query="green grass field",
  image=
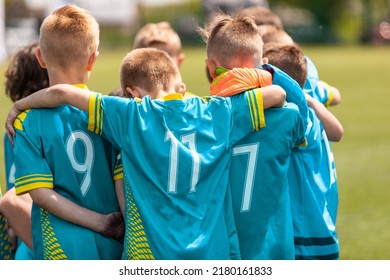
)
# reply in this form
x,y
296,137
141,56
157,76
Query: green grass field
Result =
x,y
362,158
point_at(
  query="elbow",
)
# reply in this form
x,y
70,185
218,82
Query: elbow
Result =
x,y
282,98
336,134
336,97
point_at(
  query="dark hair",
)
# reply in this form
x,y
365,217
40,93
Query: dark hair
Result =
x,y
24,75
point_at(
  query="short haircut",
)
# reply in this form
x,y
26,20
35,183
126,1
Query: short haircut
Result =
x,y
150,69
262,15
24,74
68,36
289,58
272,34
231,40
160,35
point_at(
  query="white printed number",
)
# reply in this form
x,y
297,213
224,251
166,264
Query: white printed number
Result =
x,y
251,151
81,166
174,160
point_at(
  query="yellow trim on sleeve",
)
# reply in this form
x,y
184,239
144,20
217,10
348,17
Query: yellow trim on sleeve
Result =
x,y
33,181
118,176
118,172
27,188
94,113
304,143
256,108
330,96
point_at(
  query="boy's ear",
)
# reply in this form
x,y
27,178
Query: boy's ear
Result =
x,y
132,93
264,60
211,66
38,55
92,60
182,88
180,59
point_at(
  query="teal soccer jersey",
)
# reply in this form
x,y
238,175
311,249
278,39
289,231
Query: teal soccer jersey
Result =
x,y
259,184
22,250
313,180
313,193
176,156
54,149
317,89
9,163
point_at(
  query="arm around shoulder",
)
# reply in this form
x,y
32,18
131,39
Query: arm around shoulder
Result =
x,y
332,126
273,96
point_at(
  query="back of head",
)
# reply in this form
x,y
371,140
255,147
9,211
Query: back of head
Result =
x,y
159,35
68,36
24,74
149,69
289,58
261,16
232,41
273,34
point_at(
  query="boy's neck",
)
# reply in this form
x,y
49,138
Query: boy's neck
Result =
x,y
69,77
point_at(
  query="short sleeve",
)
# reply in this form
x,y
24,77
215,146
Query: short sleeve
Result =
x,y
247,114
109,117
32,171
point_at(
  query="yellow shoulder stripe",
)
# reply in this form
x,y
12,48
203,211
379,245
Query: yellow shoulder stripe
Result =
x,y
18,123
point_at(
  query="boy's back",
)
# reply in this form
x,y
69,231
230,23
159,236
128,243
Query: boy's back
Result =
x,y
311,176
175,197
311,172
55,152
61,154
260,191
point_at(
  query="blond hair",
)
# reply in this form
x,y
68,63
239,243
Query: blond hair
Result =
x,y
150,69
272,34
160,35
69,36
232,40
262,16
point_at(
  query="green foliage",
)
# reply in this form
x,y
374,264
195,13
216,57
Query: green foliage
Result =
x,y
363,155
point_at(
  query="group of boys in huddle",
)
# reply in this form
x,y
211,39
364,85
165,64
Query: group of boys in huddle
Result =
x,y
152,171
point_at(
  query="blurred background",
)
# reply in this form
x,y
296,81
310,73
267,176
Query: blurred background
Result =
x,y
348,40
320,21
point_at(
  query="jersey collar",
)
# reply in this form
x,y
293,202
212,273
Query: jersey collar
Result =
x,y
82,86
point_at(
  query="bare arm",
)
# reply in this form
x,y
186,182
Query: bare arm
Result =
x,y
120,195
65,209
273,96
17,210
333,128
51,97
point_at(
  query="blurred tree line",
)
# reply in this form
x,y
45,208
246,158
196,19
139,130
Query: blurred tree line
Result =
x,y
315,21
344,21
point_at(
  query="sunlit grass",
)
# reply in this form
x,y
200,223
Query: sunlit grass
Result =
x,y
362,74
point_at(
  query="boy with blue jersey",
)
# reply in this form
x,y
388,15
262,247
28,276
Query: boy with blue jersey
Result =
x,y
310,173
328,96
23,76
325,94
174,204
260,161
58,162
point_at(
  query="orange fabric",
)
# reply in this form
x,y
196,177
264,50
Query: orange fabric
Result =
x,y
239,80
